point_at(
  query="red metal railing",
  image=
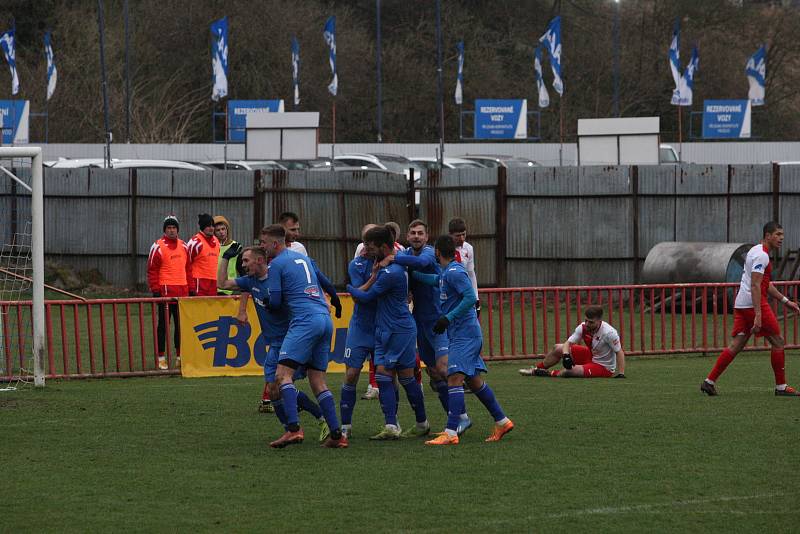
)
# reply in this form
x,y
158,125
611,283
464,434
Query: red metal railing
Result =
x,y
117,337
651,319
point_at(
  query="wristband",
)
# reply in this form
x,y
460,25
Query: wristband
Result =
x,y
785,299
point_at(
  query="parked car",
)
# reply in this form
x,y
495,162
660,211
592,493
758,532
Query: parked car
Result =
x,y
667,154
448,163
499,160
66,163
386,162
244,165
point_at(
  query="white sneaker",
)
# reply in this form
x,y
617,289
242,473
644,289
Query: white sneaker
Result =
x,y
162,363
370,394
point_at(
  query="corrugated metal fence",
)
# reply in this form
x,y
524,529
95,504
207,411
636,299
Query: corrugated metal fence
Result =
x,y
534,226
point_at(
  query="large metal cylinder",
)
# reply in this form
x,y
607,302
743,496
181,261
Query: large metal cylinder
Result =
x,y
677,262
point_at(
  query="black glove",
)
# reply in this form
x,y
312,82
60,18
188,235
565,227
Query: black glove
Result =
x,y
620,375
441,325
478,309
337,305
232,251
567,361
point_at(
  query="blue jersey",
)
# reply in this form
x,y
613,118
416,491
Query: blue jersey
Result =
x,y
293,283
454,283
426,298
360,269
391,292
273,324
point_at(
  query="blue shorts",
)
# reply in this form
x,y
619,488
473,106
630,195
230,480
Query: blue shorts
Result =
x,y
431,346
465,356
308,341
271,365
359,345
395,350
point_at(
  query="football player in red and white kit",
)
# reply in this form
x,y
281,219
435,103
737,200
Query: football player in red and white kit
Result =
x,y
752,313
465,254
602,357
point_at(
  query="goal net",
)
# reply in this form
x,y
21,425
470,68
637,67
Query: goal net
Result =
x,y
22,328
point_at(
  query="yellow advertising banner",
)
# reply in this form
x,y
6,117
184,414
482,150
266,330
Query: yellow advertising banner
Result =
x,y
213,343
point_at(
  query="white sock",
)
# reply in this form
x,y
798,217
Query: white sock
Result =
x,y
464,416
424,425
709,381
781,387
451,433
502,421
393,428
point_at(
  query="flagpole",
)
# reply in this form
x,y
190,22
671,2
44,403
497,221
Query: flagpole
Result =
x,y
127,77
333,132
100,24
680,132
440,89
225,151
378,62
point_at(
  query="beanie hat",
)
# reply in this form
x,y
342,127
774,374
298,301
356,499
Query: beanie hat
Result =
x,y
205,220
170,220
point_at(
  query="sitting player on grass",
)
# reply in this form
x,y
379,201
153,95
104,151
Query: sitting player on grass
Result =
x,y
598,359
273,325
464,362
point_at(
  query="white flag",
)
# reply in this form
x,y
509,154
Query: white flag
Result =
x,y
52,73
544,97
219,58
756,70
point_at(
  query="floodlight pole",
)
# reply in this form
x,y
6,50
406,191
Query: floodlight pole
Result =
x,y
378,69
101,28
439,82
616,38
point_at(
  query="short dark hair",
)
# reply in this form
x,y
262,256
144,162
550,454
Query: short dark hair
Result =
x,y
394,228
457,225
380,235
258,251
446,247
417,222
288,216
593,312
274,230
771,227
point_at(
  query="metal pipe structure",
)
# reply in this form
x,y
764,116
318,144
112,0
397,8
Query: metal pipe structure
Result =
x,y
615,31
101,31
440,88
378,67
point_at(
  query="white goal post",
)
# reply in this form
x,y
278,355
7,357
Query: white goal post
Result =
x,y
36,188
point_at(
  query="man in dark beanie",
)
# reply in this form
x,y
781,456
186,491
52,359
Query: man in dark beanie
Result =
x,y
168,273
204,257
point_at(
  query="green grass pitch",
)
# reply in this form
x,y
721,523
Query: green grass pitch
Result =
x,y
645,454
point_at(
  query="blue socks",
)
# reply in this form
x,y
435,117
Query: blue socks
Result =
x,y
279,411
415,398
486,396
308,405
388,398
328,408
441,389
456,403
347,403
289,396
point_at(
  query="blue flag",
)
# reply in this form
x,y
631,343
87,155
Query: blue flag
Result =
x,y
675,60
552,41
9,45
756,70
219,58
296,70
544,97
330,39
686,88
459,95
52,73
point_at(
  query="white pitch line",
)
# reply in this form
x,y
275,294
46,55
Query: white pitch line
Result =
x,y
610,510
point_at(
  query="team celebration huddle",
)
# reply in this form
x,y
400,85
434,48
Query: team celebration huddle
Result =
x,y
386,282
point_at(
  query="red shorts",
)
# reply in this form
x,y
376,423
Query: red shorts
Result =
x,y
204,287
743,322
583,356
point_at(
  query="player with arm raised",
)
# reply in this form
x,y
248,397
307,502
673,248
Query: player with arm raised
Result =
x,y
293,284
602,356
274,325
752,313
395,334
432,347
464,362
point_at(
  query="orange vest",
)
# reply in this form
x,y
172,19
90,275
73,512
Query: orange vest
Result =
x,y
205,264
173,264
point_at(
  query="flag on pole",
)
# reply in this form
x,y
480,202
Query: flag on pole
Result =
x,y
330,39
675,60
52,73
296,70
459,95
219,58
544,97
756,70
686,89
9,46
552,40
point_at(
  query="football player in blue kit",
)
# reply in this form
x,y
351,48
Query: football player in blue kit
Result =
x,y
464,362
293,284
395,334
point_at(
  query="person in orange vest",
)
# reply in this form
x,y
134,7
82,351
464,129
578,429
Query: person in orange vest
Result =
x,y
204,258
168,273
